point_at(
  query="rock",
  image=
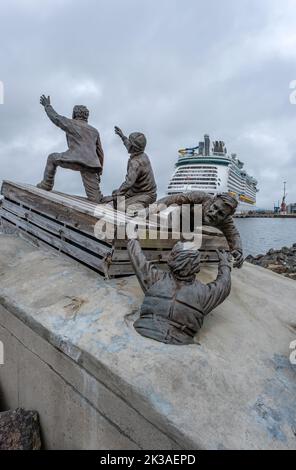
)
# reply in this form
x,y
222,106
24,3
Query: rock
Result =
x,y
265,263
291,275
280,261
19,430
281,257
285,250
277,268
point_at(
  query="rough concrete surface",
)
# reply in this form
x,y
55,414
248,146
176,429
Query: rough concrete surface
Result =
x,y
72,354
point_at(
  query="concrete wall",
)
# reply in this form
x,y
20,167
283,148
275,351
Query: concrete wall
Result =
x,y
71,353
76,410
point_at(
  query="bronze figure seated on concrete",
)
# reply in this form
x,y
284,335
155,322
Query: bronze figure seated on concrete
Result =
x,y
175,302
139,188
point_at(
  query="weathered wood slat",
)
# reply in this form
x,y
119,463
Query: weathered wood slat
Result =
x,y
57,229
60,230
208,243
56,242
60,208
36,195
114,270
55,209
83,215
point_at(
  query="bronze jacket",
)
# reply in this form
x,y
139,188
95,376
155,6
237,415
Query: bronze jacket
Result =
x,y
228,228
139,177
173,310
83,141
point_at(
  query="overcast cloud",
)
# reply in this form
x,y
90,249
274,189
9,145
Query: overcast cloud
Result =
x,y
174,69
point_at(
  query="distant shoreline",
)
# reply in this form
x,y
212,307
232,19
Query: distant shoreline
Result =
x,y
266,216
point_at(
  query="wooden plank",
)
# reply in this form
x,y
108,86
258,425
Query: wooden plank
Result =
x,y
60,230
76,214
122,255
57,210
37,194
38,237
208,243
74,203
162,256
11,228
115,269
57,229
64,246
94,245
59,214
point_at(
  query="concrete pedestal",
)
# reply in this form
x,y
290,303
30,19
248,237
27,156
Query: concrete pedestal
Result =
x,y
71,353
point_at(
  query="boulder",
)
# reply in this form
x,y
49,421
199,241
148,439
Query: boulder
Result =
x,y
19,430
291,275
277,268
281,261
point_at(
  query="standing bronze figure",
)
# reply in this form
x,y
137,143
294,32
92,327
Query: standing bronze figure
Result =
x,y
85,153
175,302
217,211
139,187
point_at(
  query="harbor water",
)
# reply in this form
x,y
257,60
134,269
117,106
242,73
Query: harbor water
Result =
x,y
261,234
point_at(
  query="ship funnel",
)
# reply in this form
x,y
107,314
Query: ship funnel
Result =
x,y
207,144
201,146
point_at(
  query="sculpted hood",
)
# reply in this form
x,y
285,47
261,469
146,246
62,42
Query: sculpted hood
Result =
x,y
138,141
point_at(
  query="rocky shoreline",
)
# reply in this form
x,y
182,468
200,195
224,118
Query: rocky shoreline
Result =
x,y
282,261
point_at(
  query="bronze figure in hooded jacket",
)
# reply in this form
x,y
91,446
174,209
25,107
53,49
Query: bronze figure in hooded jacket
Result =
x,y
139,188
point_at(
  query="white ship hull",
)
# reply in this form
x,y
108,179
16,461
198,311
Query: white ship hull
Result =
x,y
214,173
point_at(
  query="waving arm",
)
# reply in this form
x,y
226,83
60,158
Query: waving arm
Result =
x,y
146,272
217,291
61,121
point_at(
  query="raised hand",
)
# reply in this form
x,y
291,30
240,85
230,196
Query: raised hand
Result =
x,y
119,132
224,256
238,258
45,101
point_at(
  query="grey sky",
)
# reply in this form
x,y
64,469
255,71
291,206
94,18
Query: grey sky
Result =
x,y
173,69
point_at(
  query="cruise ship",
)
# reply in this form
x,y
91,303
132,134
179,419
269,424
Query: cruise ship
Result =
x,y
209,168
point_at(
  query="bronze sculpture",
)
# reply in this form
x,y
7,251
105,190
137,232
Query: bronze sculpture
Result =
x,y
217,212
139,187
175,302
85,153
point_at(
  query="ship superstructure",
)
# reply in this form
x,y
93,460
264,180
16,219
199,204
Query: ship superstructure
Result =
x,y
210,168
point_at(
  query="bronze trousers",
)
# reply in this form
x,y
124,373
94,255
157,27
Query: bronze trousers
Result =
x,y
90,177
